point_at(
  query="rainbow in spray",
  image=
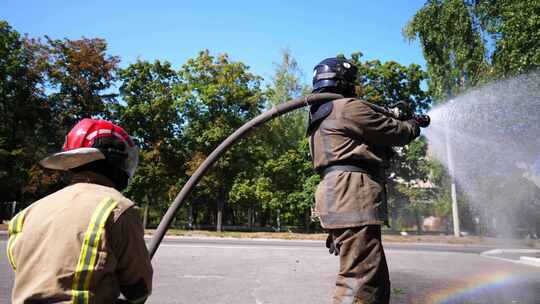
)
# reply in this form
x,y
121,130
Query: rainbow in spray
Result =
x,y
492,288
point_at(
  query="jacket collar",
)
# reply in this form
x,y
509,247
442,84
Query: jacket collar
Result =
x,y
91,178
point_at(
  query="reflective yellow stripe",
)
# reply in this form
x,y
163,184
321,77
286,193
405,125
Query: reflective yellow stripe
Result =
x,y
10,254
14,231
87,258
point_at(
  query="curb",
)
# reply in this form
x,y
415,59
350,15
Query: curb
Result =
x,y
503,251
150,236
523,259
321,241
179,237
529,261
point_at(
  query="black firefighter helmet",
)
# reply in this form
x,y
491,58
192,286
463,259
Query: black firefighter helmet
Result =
x,y
335,75
332,75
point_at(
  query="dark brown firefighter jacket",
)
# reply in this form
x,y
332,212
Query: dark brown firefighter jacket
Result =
x,y
355,134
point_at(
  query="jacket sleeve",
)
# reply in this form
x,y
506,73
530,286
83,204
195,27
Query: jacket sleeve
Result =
x,y
134,269
363,122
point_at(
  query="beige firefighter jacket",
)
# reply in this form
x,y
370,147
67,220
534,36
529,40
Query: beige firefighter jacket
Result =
x,y
82,244
355,134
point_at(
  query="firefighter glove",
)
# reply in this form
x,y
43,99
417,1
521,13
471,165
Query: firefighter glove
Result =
x,y
331,245
422,120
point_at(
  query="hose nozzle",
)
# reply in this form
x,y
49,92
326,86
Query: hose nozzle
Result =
x,y
422,120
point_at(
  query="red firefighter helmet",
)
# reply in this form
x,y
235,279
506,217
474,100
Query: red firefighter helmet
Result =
x,y
85,143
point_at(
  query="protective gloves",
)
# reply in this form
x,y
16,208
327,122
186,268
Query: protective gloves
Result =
x,y
422,120
331,245
400,110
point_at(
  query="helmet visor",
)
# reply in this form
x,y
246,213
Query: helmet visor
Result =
x,y
132,160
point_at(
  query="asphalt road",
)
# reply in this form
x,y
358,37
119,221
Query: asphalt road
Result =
x,y
263,272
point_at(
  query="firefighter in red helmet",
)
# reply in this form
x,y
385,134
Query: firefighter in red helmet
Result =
x,y
83,243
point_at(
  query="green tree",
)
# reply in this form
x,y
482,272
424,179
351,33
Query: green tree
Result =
x,y
513,27
451,43
45,88
80,75
285,85
24,122
282,179
286,167
412,186
217,97
389,82
150,113
469,42
78,81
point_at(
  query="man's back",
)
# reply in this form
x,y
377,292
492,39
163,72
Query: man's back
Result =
x,y
69,246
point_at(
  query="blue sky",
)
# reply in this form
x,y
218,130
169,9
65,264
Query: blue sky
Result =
x,y
253,32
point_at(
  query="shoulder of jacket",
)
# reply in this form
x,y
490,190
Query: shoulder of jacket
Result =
x,y
101,192
350,101
123,204
345,105
340,103
345,100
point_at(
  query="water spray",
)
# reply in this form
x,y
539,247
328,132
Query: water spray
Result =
x,y
453,192
494,131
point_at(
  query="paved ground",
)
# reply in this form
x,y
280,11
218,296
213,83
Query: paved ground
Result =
x,y
246,271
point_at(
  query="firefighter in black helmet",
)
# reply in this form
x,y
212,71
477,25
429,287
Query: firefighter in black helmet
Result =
x,y
351,147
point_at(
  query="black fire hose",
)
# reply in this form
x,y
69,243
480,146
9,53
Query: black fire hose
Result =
x,y
313,99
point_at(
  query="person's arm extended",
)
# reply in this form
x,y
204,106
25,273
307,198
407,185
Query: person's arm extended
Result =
x,y
376,128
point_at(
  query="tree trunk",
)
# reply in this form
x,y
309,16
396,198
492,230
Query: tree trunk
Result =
x,y
263,217
145,216
190,217
219,221
307,219
394,215
278,220
232,214
250,218
418,219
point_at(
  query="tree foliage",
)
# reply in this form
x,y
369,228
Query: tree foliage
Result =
x,y
513,27
468,42
79,74
24,113
282,162
45,87
217,96
178,116
150,111
388,82
451,43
